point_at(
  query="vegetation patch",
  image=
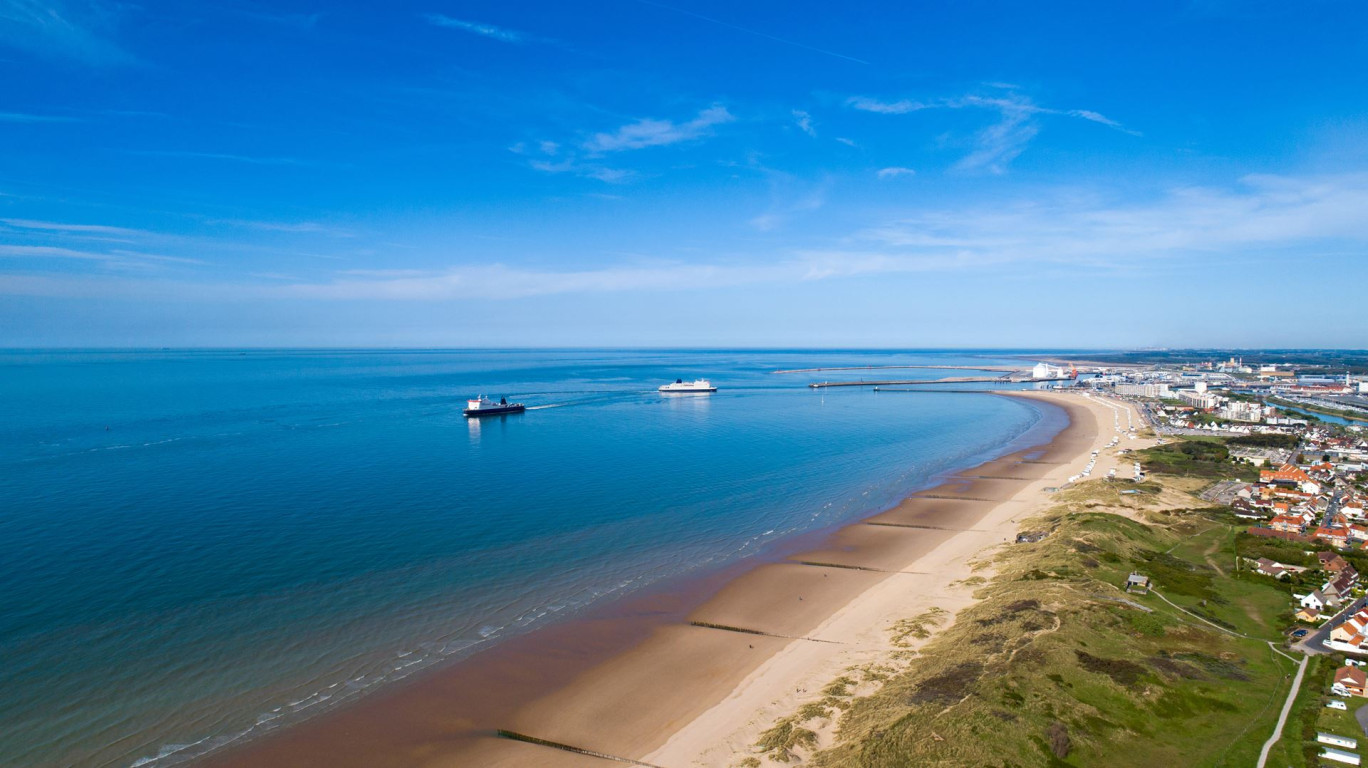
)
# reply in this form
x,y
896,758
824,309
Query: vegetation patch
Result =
x,y
950,685
1194,458
1123,673
918,627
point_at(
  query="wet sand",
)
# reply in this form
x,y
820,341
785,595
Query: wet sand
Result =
x,y
665,677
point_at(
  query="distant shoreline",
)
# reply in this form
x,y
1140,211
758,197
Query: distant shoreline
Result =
x,y
624,681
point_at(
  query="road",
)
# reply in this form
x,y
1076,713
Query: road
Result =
x,y
1314,643
1286,710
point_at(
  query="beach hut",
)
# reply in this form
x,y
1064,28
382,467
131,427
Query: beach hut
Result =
x,y
1138,582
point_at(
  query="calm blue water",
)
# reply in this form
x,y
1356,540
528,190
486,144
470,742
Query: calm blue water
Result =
x,y
200,545
1327,418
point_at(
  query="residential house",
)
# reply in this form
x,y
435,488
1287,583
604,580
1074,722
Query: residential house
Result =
x,y
1350,681
1331,561
1268,567
1352,635
1335,537
1315,601
1287,474
1288,524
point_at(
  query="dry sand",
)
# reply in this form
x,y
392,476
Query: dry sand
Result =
x,y
859,630
699,692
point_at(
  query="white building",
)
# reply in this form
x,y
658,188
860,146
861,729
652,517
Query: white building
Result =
x,y
1045,371
1337,741
1340,756
1238,410
1203,400
1143,390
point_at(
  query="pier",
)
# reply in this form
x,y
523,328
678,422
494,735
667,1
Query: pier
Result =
x,y
1002,368
918,382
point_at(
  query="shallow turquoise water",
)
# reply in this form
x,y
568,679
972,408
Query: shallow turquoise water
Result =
x,y
195,546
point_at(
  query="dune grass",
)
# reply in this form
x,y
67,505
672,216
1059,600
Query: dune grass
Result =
x,y
1057,665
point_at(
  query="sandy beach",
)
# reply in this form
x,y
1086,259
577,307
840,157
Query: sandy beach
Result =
x,y
700,682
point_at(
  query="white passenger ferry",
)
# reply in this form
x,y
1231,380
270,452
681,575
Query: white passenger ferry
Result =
x,y
697,385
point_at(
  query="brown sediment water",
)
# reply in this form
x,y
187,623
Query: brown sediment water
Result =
x,y
614,686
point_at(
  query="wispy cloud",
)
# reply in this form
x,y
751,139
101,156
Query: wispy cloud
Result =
x,y
1260,213
484,30
895,171
114,259
1258,216
58,29
49,252
804,121
996,145
900,107
587,159
654,133
66,228
155,257
24,117
289,227
587,170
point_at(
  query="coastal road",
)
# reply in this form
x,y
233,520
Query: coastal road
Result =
x,y
1314,643
1282,716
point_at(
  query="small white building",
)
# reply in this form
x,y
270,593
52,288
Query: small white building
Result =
x,y
1340,756
1337,741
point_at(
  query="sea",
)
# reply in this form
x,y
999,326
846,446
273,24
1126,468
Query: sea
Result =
x,y
200,546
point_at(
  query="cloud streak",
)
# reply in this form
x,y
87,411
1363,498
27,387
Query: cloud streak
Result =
x,y
587,159
996,145
70,229
24,117
1260,214
1258,217
476,28
656,133
55,29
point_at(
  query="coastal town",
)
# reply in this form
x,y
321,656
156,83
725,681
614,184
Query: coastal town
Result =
x,y
1286,451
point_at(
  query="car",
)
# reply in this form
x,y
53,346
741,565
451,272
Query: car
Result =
x,y
1300,633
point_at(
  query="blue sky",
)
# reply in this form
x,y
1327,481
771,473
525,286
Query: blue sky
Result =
x,y
628,172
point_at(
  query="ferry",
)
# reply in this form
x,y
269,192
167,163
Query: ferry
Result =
x,y
483,406
697,385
